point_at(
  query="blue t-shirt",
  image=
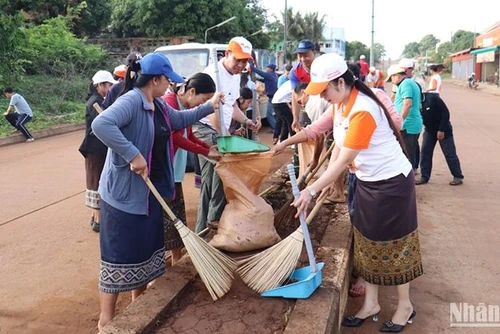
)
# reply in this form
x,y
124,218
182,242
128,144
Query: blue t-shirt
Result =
x,y
22,107
408,89
281,80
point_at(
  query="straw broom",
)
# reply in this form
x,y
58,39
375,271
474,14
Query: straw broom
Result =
x,y
215,268
284,215
272,267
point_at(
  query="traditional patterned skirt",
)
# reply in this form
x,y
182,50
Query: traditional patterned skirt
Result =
x,y
132,248
386,244
172,237
94,163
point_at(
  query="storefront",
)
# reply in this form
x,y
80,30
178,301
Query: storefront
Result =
x,y
487,63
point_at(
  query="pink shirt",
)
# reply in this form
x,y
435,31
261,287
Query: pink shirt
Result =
x,y
325,122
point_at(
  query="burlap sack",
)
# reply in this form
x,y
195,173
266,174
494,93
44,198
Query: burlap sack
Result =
x,y
247,222
306,155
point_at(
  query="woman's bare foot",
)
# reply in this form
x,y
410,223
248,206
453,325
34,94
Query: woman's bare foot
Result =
x,y
402,314
176,255
357,288
368,311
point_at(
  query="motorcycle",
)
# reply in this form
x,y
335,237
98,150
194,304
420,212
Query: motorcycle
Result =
x,y
472,84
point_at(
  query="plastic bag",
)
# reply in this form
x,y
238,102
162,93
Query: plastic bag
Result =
x,y
247,222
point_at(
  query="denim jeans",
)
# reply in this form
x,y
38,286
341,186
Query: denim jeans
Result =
x,y
447,146
412,148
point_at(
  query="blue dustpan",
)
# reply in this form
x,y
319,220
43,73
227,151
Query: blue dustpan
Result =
x,y
307,283
309,278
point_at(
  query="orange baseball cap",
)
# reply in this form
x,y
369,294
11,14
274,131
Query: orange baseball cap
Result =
x,y
241,48
120,71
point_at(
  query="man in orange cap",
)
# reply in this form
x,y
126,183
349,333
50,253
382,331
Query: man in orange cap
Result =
x,y
212,197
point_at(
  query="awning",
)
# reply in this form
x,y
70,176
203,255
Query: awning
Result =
x,y
483,50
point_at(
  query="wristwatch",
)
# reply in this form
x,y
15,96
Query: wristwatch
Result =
x,y
311,191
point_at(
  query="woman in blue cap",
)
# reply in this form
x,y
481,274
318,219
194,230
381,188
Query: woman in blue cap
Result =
x,y
138,130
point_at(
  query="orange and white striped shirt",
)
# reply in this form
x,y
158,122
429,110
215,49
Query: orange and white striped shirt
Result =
x,y
361,124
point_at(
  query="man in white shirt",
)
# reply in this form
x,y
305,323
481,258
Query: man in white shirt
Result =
x,y
212,197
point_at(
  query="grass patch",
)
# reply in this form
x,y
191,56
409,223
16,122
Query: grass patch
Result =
x,y
54,101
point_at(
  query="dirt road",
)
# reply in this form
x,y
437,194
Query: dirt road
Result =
x,y
458,225
49,256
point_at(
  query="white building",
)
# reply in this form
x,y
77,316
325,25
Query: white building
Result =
x,y
334,41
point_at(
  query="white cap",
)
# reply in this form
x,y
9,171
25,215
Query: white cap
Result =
x,y
394,69
372,69
362,57
324,69
103,76
406,63
240,47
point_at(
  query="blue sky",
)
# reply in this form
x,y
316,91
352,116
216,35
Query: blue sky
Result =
x,y
398,23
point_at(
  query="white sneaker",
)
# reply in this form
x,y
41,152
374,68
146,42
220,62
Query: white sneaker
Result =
x,y
29,140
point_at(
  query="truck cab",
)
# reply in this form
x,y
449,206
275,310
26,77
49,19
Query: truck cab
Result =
x,y
190,58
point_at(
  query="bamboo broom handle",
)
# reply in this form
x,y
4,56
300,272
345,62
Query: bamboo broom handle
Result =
x,y
321,162
164,205
315,210
97,108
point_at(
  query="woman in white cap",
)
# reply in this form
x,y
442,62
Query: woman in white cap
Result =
x,y
386,244
138,129
92,148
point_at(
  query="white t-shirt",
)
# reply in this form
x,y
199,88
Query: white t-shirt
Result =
x,y
437,78
316,106
372,78
230,86
283,94
363,126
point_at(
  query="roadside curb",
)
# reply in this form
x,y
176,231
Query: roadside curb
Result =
x,y
319,314
483,87
49,132
323,311
143,313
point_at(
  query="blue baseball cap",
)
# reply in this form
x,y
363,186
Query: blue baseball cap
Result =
x,y
272,66
157,64
304,46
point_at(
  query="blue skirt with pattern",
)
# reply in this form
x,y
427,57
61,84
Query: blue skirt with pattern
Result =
x,y
132,248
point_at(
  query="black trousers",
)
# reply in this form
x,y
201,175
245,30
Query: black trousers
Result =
x,y
429,141
12,118
412,147
284,113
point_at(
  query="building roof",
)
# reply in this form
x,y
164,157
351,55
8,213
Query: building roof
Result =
x,y
491,28
461,52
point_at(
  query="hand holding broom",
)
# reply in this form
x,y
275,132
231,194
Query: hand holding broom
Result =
x,y
272,267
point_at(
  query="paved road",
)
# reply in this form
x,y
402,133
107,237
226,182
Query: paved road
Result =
x,y
49,256
458,225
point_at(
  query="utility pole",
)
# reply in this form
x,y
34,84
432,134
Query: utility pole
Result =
x,y
372,51
284,33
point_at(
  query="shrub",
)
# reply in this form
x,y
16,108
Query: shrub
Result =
x,y
52,48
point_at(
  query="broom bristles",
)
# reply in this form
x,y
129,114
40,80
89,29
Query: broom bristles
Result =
x,y
271,268
215,268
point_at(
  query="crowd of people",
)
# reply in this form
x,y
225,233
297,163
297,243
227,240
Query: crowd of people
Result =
x,y
143,119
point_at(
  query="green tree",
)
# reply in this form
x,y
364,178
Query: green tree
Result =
x,y
428,45
378,52
313,26
355,49
412,50
132,18
12,39
443,52
462,40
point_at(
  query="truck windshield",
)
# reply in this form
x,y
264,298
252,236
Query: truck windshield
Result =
x,y
187,62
